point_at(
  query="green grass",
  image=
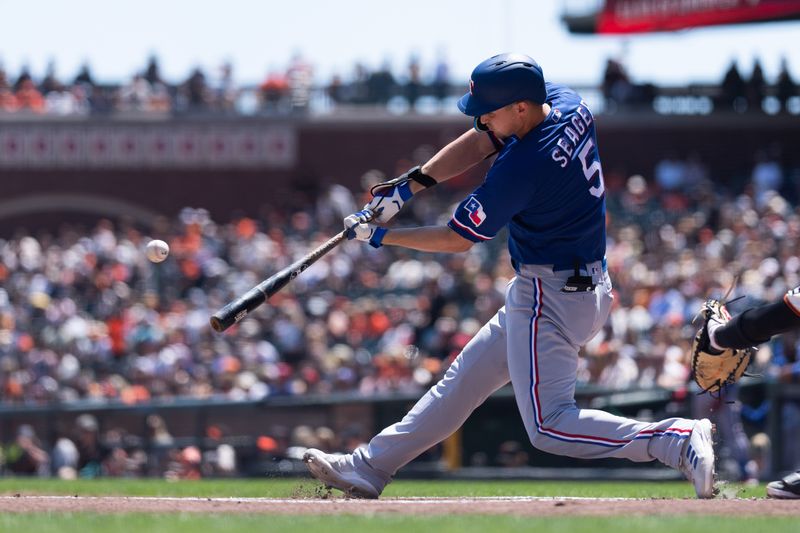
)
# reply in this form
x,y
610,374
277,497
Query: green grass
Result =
x,y
85,522
293,488
192,523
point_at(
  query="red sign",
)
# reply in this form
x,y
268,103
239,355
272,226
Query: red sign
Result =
x,y
639,16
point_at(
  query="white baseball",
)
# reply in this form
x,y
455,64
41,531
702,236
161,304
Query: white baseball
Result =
x,y
157,250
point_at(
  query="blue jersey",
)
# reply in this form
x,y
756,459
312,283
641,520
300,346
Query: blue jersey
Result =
x,y
547,187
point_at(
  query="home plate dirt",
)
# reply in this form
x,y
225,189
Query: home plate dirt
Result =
x,y
518,506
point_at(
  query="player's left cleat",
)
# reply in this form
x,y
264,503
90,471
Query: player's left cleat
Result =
x,y
337,471
787,488
697,459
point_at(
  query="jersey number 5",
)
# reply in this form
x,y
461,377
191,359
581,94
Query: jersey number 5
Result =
x,y
590,170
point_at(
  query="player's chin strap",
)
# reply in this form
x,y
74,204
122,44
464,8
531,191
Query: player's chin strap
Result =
x,y
480,127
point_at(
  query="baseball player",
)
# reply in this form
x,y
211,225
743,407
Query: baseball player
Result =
x,y
546,186
750,328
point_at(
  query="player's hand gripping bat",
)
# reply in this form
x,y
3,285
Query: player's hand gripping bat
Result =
x,y
240,307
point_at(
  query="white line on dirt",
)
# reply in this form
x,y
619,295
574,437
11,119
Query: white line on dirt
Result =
x,y
487,499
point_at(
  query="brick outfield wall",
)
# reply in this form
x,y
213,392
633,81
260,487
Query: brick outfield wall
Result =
x,y
340,151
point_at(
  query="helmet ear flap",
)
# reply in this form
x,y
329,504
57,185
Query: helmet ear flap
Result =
x,y
479,126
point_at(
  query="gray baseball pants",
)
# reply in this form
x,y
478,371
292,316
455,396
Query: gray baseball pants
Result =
x,y
533,341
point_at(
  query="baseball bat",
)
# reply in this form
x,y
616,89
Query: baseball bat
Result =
x,y
240,307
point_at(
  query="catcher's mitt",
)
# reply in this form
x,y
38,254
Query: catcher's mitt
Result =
x,y
711,368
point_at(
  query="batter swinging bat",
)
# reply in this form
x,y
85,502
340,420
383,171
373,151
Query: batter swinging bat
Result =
x,y
240,307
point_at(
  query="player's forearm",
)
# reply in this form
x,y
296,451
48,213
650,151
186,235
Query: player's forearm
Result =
x,y
428,239
458,156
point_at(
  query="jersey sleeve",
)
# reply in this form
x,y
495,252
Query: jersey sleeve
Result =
x,y
482,214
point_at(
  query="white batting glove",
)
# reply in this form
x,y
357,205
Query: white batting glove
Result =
x,y
388,197
357,228
388,201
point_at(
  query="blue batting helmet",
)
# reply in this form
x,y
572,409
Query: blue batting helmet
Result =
x,y
501,80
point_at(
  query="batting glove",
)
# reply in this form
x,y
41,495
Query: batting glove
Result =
x,y
357,228
388,197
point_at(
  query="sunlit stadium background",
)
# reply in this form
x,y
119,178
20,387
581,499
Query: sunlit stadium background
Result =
x,y
108,366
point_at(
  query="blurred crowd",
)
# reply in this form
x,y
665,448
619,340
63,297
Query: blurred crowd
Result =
x,y
146,92
85,316
736,92
283,91
88,449
297,89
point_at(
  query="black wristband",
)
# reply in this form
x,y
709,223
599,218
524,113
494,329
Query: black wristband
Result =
x,y
423,179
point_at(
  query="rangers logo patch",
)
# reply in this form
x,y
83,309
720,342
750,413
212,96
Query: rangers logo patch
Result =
x,y
471,86
476,213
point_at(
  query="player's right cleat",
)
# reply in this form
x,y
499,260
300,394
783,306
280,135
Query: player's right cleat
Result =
x,y
337,471
787,488
697,459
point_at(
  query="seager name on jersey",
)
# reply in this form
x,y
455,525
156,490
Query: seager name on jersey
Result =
x,y
574,133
